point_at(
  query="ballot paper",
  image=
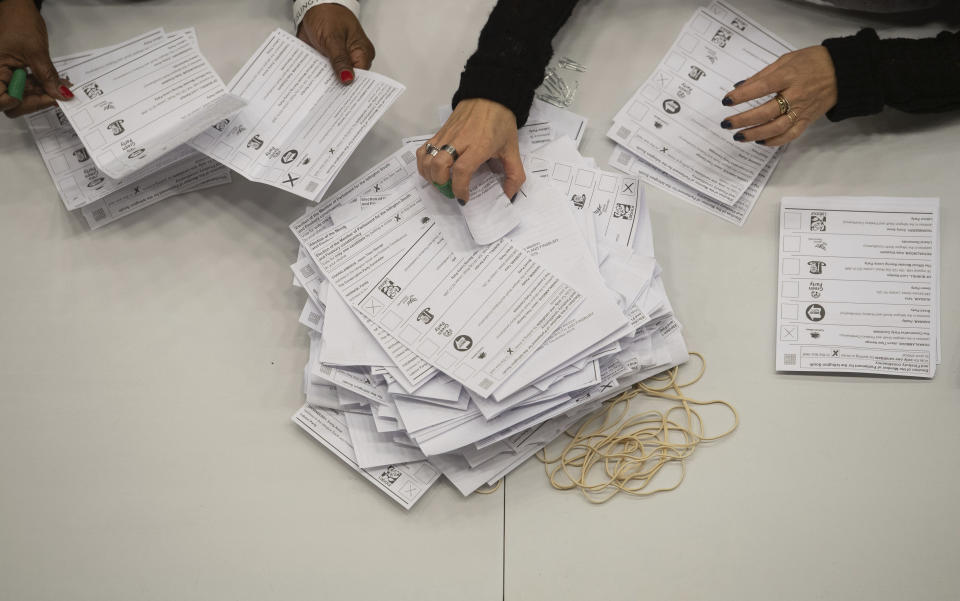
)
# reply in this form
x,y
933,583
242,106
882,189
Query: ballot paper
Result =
x,y
737,213
858,290
404,483
300,124
102,199
476,317
673,120
196,172
137,101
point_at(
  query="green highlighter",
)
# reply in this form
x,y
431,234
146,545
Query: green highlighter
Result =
x,y
17,83
445,189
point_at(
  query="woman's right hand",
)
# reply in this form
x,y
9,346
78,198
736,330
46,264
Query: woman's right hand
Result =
x,y
479,130
23,43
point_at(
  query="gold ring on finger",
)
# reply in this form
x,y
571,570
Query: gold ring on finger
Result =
x,y
782,103
793,117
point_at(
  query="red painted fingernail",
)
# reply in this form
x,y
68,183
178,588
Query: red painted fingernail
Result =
x,y
346,76
66,92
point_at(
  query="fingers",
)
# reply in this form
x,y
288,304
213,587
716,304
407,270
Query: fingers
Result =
x,y
771,129
788,136
339,54
513,169
439,167
757,86
463,170
46,75
30,104
768,111
362,57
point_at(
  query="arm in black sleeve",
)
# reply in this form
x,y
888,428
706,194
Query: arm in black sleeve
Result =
x,y
513,52
914,76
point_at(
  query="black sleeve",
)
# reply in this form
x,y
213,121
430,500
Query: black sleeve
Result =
x,y
914,76
513,52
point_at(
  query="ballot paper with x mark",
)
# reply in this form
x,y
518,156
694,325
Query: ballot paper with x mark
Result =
x,y
476,316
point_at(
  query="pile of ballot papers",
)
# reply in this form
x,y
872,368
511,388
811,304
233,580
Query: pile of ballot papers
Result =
x,y
461,340
668,134
151,119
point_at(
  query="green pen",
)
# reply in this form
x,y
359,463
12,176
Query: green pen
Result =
x,y
17,83
445,189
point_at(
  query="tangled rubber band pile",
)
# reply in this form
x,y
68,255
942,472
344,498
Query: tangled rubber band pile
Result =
x,y
614,451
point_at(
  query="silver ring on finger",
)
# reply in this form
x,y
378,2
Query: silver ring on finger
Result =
x,y
432,150
451,151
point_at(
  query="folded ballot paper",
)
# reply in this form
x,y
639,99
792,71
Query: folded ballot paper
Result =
x,y
118,95
432,354
669,133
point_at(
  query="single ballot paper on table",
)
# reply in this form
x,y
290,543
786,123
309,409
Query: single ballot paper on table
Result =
x,y
475,316
859,286
673,119
300,124
137,101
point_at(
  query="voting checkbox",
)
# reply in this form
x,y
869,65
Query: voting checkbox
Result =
x,y
791,244
674,61
650,92
637,111
561,173
410,334
607,184
464,372
58,164
789,333
49,144
82,119
791,220
688,42
427,347
585,178
790,289
391,320
789,310
446,361
94,140
701,24
791,266
241,161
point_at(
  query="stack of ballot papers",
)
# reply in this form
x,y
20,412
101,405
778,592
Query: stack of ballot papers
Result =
x,y
151,118
435,353
119,145
668,134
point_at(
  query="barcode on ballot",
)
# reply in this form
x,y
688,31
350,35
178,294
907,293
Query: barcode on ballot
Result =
x,y
789,358
99,214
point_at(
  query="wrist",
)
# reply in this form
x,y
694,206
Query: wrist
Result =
x,y
300,8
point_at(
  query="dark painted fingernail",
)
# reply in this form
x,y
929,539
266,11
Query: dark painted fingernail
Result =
x,y
66,92
761,142
462,203
346,76
739,137
726,124
514,197
727,101
739,83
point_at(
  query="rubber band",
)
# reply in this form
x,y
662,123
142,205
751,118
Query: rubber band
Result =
x,y
615,451
491,490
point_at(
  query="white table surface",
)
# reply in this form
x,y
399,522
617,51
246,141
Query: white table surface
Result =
x,y
148,372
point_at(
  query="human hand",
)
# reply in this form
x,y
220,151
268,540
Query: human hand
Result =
x,y
805,78
480,130
335,32
23,43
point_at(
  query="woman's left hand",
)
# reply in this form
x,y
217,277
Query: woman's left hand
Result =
x,y
805,78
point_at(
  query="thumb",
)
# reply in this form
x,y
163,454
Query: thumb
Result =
x,y
339,55
513,169
46,75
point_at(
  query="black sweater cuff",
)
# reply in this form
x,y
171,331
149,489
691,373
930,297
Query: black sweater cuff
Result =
x,y
859,90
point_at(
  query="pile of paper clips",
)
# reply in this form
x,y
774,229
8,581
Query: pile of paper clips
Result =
x,y
555,89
